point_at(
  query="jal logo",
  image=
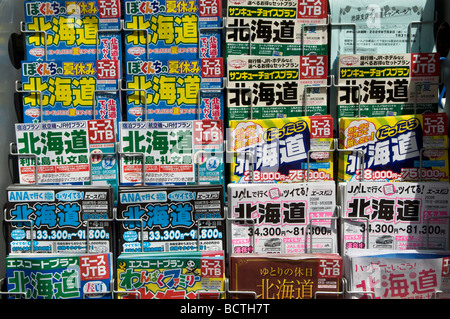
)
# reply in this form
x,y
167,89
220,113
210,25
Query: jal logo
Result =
x,y
349,60
237,64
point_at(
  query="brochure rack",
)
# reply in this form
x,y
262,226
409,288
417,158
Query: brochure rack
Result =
x,y
337,219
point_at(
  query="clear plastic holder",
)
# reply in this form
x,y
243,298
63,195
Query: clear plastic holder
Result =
x,y
25,221
305,26
308,88
147,37
350,25
310,227
144,184
331,83
5,219
417,85
116,293
360,220
145,107
199,97
19,89
20,295
205,29
199,226
115,154
411,25
133,220
23,30
246,221
421,157
37,183
135,154
197,164
105,31
302,28
241,28
329,150
117,91
13,146
427,222
440,292
360,152
250,106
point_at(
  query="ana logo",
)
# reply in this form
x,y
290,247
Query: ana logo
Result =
x,y
349,60
237,64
